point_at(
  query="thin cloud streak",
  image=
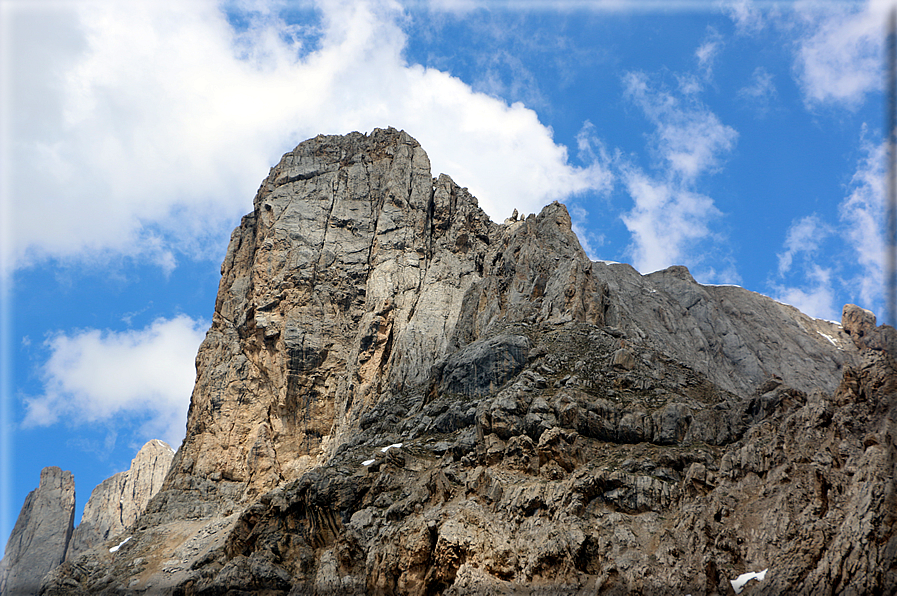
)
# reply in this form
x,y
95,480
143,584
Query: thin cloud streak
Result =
x,y
745,10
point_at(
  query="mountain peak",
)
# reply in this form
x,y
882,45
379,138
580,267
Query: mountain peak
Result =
x,y
399,396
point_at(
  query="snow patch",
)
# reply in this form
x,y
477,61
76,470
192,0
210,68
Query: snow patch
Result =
x,y
830,338
738,582
607,262
119,545
382,450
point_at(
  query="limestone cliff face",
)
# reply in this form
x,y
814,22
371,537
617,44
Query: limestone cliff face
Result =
x,y
41,535
115,504
399,396
358,271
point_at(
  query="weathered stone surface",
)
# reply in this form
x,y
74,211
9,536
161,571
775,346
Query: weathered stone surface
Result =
x,y
41,535
859,324
115,504
532,422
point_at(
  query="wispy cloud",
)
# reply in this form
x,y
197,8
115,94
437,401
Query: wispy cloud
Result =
x,y
862,216
760,93
146,375
804,237
666,221
743,8
688,137
157,120
670,217
816,298
708,51
748,17
854,245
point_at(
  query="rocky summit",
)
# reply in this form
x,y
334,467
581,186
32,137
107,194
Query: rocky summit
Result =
x,y
399,396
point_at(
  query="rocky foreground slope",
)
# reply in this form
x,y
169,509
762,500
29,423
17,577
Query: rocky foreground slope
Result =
x,y
399,396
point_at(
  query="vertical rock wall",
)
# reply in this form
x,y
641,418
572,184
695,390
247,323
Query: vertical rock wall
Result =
x,y
354,274
41,535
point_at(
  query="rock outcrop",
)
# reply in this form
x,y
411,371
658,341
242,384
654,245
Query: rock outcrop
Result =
x,y
41,535
115,503
399,396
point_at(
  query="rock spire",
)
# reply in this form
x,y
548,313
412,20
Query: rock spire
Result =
x,y
41,535
115,503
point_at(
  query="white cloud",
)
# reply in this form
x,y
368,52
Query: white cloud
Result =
x,y
708,51
803,237
94,376
670,218
747,16
852,248
665,222
839,57
816,299
144,128
760,92
862,215
689,137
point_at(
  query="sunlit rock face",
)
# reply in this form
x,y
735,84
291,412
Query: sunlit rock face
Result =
x,y
115,503
399,396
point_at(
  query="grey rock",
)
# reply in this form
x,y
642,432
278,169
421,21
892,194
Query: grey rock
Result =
x,y
483,366
115,504
41,535
567,426
859,324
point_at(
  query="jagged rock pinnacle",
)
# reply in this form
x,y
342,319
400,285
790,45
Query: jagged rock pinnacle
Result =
x,y
41,535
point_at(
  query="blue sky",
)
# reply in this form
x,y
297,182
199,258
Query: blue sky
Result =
x,y
742,139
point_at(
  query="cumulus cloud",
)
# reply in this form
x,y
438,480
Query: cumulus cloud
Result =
x,y
146,375
839,54
670,217
146,126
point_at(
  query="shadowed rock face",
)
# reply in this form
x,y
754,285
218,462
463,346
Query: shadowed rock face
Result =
x,y
565,425
41,535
